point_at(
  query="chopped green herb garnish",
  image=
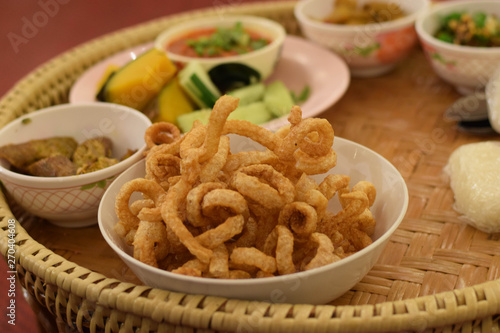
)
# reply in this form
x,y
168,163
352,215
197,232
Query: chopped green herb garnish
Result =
x,y
235,39
303,95
479,19
451,17
445,36
258,44
26,121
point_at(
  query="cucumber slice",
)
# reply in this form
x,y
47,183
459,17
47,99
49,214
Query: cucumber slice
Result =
x,y
249,94
256,113
197,84
185,121
278,99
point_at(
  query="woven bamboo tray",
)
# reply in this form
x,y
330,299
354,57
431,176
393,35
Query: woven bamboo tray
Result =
x,y
436,274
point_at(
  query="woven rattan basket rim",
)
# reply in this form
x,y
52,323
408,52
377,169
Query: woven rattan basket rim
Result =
x,y
79,289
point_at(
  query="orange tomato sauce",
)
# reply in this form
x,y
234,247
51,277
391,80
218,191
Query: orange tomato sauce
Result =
x,y
180,45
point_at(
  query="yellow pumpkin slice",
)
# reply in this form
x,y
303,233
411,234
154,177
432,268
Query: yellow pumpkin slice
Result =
x,y
110,70
172,102
139,81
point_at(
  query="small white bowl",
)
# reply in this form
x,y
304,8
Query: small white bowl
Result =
x,y
72,201
369,49
492,93
468,68
262,60
315,286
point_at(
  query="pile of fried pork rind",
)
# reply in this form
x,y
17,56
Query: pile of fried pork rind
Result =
x,y
208,212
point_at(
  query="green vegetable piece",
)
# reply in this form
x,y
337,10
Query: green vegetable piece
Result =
x,y
445,37
303,95
256,113
450,17
479,19
186,120
195,81
249,94
205,94
278,99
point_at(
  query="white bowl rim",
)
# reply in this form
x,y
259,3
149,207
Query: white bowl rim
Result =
x,y
492,99
282,278
436,9
341,28
76,180
187,25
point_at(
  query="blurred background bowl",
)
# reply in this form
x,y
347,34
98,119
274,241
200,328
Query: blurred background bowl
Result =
x,y
315,286
492,93
72,201
369,49
262,60
467,68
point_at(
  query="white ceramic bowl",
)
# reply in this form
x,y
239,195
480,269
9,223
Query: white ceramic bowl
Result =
x,y
72,201
262,60
467,68
315,286
492,93
370,49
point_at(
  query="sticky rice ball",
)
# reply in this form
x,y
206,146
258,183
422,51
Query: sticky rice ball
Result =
x,y
473,170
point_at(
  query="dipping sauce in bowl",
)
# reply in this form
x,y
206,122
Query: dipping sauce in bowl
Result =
x,y
218,42
252,43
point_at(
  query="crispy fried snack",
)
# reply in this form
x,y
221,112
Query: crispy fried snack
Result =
x,y
208,212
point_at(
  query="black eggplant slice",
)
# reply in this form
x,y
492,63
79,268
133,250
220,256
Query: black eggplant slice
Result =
x,y
230,76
